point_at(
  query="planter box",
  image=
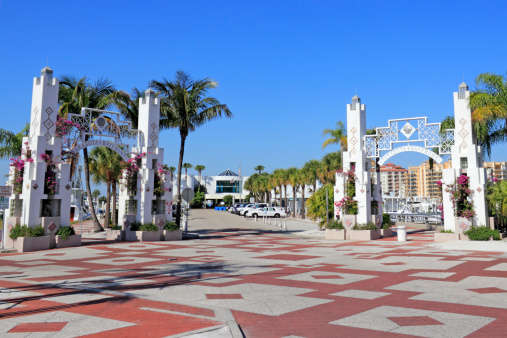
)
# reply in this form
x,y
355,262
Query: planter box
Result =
x,y
115,235
445,237
349,221
386,233
175,235
335,234
142,236
74,240
27,244
363,235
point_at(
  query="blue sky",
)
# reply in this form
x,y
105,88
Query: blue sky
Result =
x,y
286,69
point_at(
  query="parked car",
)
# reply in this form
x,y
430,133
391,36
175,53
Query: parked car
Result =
x,y
235,207
240,210
275,212
247,211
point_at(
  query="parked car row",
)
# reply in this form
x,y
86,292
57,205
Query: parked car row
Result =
x,y
257,210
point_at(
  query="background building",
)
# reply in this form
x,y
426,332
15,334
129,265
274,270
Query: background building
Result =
x,y
496,170
392,179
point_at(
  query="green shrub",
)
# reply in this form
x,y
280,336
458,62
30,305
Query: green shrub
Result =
x,y
115,227
135,226
171,226
482,233
65,232
447,231
367,226
148,227
335,225
386,221
26,231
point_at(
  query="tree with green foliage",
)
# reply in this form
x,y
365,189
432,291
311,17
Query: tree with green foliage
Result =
x,y
316,204
259,168
199,169
10,143
228,200
496,196
185,105
198,199
328,166
293,180
336,136
105,166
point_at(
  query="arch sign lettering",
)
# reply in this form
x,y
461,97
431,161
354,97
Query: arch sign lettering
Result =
x,y
103,143
417,149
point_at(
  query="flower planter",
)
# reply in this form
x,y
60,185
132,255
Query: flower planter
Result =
x,y
349,221
115,235
142,236
386,233
446,237
175,235
335,234
27,244
363,235
74,240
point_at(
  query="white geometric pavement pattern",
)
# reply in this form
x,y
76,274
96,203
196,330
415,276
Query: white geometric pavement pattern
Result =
x,y
78,324
340,279
453,324
262,299
459,292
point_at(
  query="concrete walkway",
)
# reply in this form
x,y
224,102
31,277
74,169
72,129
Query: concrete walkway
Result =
x,y
243,278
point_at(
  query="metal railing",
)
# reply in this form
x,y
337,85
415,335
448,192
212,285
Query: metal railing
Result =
x,y
416,218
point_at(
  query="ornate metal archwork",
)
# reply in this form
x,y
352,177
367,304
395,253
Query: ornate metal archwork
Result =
x,y
96,124
403,130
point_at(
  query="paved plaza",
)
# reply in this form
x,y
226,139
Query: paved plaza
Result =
x,y
247,278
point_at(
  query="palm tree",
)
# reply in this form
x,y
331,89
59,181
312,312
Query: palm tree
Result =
x,y
311,168
199,169
185,105
277,178
187,166
328,166
336,136
172,169
10,143
105,167
497,201
95,195
305,177
75,94
259,168
293,180
128,104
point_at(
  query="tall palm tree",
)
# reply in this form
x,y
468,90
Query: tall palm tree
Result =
x,y
75,94
259,168
105,167
305,177
293,179
187,166
10,143
311,168
185,105
199,169
277,178
336,136
172,169
328,166
128,104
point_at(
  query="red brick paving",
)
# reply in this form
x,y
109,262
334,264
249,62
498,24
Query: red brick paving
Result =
x,y
309,322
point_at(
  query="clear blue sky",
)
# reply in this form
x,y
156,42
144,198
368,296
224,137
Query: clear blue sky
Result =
x,y
286,69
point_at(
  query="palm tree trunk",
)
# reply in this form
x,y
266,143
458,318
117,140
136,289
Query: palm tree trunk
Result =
x,y
294,201
108,205
303,201
285,186
96,224
113,185
180,164
280,195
